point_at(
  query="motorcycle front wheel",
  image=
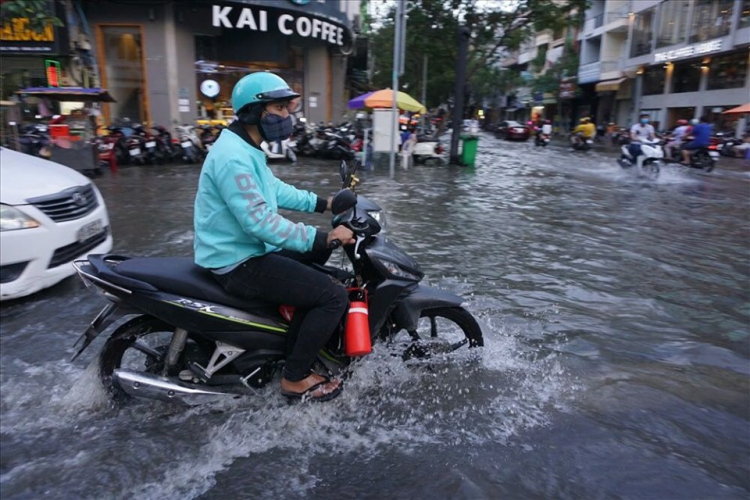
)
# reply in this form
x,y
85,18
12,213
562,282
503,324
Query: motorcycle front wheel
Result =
x,y
651,170
449,325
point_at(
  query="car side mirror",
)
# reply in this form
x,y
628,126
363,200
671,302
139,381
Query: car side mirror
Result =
x,y
343,201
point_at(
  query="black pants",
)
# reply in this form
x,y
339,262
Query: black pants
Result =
x,y
286,277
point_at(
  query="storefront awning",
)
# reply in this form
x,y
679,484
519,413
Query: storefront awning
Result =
x,y
609,85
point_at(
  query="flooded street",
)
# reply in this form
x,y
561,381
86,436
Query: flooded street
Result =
x,y
616,360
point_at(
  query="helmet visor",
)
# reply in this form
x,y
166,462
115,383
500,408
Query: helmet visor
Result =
x,y
277,95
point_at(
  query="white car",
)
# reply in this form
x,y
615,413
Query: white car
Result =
x,y
50,215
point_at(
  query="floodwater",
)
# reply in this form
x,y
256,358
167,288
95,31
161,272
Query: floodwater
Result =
x,y
616,319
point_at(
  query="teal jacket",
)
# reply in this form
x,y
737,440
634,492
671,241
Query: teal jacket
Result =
x,y
237,203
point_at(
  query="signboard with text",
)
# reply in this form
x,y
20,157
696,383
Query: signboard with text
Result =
x,y
16,38
689,51
282,21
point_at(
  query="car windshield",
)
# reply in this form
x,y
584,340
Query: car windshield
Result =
x,y
514,124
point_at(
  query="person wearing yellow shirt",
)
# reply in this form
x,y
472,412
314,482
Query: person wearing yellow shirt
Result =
x,y
585,130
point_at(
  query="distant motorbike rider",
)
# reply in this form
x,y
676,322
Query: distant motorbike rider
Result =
x,y
254,252
639,132
585,130
701,138
678,134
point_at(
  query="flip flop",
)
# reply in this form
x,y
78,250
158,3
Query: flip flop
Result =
x,y
307,394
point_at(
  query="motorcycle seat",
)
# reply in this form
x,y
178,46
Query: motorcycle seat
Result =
x,y
181,276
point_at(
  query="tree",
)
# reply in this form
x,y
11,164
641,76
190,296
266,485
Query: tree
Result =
x,y
496,28
36,11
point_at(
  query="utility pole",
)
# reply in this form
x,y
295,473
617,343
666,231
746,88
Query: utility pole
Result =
x,y
424,91
399,42
458,98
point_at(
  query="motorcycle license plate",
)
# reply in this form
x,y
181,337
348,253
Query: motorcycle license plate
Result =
x,y
135,151
186,144
589,141
111,145
151,144
90,230
713,154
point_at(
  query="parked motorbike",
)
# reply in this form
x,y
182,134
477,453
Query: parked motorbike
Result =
x,y
169,145
153,149
428,149
190,142
190,341
648,163
34,140
281,150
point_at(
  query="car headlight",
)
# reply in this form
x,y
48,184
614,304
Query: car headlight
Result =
x,y
397,271
12,219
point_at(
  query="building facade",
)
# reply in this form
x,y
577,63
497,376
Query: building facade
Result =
x,y
172,62
672,59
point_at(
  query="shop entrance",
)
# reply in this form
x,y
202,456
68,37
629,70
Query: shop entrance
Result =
x,y
123,72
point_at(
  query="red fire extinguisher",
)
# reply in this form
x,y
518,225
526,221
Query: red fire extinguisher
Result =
x,y
357,334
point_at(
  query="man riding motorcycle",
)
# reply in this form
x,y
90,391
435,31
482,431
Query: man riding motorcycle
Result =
x,y
639,132
585,130
701,138
255,253
678,134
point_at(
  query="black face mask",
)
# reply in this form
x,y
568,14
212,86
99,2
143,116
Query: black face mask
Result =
x,y
275,128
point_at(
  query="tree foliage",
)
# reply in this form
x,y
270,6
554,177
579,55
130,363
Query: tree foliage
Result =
x,y
432,30
36,11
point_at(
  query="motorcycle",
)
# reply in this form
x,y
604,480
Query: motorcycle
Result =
x,y
648,163
153,148
35,140
192,342
282,150
578,143
541,139
428,149
192,148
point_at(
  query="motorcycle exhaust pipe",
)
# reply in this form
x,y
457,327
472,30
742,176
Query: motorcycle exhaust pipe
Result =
x,y
149,386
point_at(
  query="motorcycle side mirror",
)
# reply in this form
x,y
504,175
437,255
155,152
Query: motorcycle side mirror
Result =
x,y
343,170
343,201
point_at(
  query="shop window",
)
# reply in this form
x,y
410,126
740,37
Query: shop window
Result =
x,y
124,72
686,77
205,48
728,72
642,33
672,22
653,80
745,15
711,19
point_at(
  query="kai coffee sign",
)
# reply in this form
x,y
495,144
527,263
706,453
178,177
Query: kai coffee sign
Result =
x,y
255,19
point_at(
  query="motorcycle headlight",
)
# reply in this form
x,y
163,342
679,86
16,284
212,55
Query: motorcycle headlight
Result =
x,y
379,216
397,271
12,219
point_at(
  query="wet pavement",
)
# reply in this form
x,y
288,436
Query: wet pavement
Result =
x,y
615,312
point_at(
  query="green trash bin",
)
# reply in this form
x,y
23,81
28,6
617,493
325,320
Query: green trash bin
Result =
x,y
469,149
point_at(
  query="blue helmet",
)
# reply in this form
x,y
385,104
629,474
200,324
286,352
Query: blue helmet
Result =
x,y
260,88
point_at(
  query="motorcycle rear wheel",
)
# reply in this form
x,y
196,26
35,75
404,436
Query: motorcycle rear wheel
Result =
x,y
128,347
441,322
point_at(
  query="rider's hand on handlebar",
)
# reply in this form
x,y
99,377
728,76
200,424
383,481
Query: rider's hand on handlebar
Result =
x,y
342,234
